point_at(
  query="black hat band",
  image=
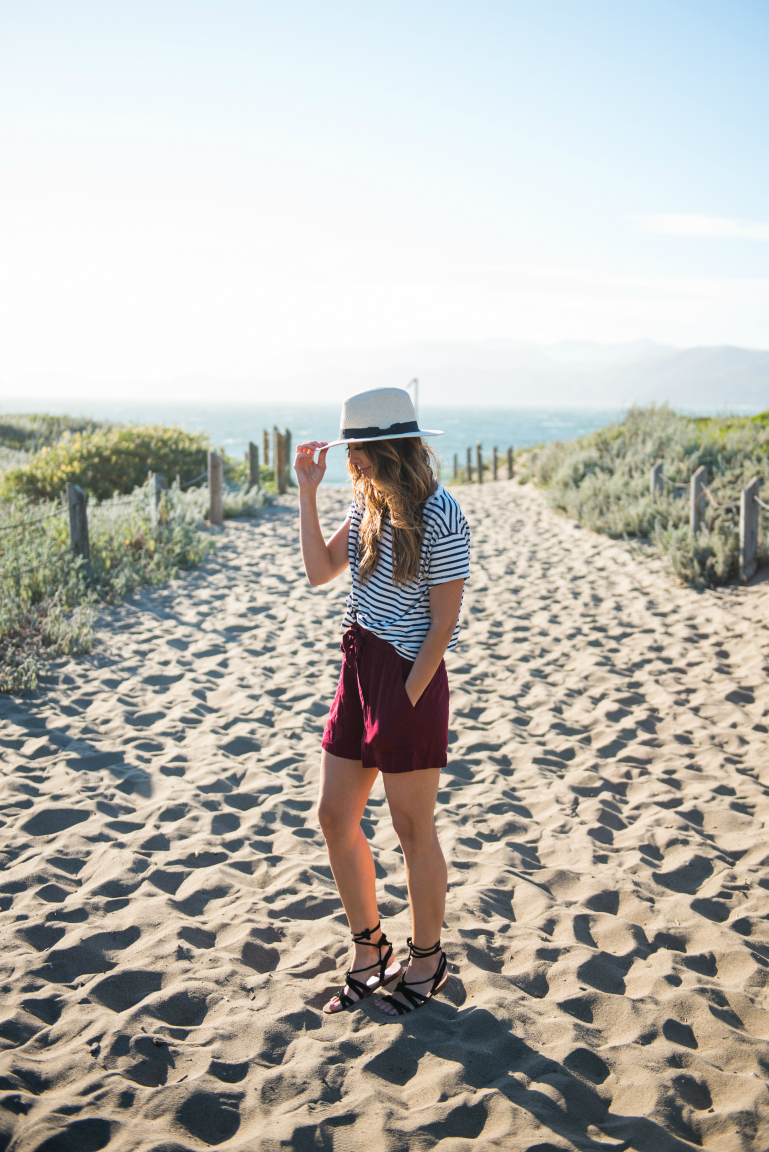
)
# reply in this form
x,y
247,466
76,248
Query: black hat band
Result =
x,y
368,433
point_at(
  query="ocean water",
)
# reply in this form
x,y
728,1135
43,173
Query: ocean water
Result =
x,y
232,426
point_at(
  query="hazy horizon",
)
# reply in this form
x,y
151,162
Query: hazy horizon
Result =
x,y
491,373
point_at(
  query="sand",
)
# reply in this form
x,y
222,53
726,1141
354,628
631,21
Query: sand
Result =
x,y
170,928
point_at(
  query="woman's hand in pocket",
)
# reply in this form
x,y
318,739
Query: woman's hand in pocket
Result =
x,y
413,696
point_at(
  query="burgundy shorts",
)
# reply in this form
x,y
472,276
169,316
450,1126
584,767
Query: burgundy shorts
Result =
x,y
372,718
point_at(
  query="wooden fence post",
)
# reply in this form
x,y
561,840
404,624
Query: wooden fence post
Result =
x,y
510,462
252,463
158,485
455,473
656,483
748,529
279,460
494,463
696,496
78,525
215,489
469,465
266,447
479,462
287,458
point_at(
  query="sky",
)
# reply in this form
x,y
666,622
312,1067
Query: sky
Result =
x,y
193,188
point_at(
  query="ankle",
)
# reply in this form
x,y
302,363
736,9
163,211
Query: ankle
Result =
x,y
367,941
424,963
365,953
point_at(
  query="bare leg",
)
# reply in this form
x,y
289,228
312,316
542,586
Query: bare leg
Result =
x,y
411,797
344,789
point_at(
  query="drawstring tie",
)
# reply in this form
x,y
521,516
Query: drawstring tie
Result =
x,y
353,643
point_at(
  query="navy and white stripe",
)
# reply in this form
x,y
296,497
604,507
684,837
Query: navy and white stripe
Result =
x,y
401,614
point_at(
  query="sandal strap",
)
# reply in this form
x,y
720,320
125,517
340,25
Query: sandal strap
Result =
x,y
422,953
408,990
416,999
359,989
382,962
364,937
436,979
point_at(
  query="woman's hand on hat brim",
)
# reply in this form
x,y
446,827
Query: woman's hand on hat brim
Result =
x,y
309,471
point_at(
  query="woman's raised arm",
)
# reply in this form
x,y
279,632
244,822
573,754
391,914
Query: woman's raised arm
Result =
x,y
322,561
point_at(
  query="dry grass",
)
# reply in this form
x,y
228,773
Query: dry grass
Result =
x,y
602,481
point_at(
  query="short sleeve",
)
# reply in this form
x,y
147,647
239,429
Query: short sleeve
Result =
x,y
449,559
352,510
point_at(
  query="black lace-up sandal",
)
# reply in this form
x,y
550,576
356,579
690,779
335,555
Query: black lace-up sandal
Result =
x,y
406,987
361,990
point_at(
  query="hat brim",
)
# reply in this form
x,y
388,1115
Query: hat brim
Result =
x,y
397,436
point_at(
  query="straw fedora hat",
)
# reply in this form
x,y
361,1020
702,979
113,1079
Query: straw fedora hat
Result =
x,y
381,414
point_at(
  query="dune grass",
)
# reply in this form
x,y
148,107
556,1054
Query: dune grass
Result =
x,y
48,602
602,481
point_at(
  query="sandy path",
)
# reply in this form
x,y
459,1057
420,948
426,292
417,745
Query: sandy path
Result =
x,y
170,926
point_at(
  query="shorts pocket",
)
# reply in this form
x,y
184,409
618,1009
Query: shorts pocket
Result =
x,y
406,666
407,698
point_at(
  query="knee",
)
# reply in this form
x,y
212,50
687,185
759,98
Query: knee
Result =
x,y
415,835
335,822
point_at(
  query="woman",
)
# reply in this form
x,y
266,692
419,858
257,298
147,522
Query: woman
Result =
x,y
407,544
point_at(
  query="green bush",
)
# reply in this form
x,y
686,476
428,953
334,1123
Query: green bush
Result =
x,y
602,481
113,459
106,461
30,431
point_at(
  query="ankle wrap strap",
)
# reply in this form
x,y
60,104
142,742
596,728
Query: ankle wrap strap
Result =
x,y
422,953
364,937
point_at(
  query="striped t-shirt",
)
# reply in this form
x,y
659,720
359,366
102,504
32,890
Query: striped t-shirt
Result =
x,y
400,613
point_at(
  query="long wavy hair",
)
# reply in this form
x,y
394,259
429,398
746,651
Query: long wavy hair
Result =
x,y
402,480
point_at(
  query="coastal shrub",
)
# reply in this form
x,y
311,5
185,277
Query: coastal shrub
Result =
x,y
602,481
107,460
30,431
47,605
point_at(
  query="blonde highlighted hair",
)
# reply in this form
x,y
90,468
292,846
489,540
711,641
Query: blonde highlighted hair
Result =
x,y
401,482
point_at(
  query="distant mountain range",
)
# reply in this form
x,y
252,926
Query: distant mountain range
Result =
x,y
484,373
503,372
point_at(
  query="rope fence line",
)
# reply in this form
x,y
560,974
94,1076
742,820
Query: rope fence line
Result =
x,y
35,520
714,502
10,572
105,505
202,476
673,483
748,504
